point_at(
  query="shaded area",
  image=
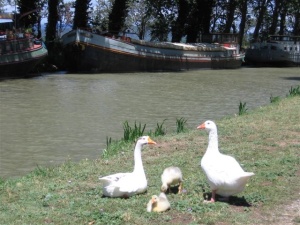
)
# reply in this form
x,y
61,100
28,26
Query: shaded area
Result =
x,y
232,200
291,78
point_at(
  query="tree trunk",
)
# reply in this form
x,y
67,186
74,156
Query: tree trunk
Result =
x,y
51,30
199,20
282,21
230,15
243,10
296,29
52,21
277,9
262,4
178,27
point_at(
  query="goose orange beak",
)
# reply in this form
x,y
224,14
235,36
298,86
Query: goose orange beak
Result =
x,y
202,126
150,141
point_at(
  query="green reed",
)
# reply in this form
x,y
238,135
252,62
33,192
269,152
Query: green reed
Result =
x,y
294,91
242,108
131,134
180,125
159,130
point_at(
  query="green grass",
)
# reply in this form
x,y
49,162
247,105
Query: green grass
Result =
x,y
265,141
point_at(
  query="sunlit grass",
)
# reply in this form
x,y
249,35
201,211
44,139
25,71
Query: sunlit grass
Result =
x,y
265,141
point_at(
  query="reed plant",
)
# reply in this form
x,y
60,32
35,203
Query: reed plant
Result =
x,y
294,91
181,125
160,130
131,134
242,108
108,142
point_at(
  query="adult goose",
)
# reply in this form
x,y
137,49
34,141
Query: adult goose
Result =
x,y
128,184
225,175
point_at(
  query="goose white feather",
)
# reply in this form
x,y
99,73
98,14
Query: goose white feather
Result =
x,y
171,176
128,184
225,175
158,203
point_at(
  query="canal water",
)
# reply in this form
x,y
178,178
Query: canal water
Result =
x,y
49,119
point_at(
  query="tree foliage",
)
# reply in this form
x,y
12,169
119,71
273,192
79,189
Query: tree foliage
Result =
x,y
28,13
167,20
81,16
116,18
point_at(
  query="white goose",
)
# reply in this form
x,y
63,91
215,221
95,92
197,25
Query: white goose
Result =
x,y
128,184
225,175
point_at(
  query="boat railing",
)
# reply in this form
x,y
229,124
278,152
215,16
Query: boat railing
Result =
x,y
15,45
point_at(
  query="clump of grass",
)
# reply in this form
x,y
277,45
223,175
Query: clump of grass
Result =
x,y
180,125
159,130
274,99
294,91
242,108
108,142
131,134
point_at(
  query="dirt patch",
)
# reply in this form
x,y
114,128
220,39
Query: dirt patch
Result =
x,y
180,218
286,214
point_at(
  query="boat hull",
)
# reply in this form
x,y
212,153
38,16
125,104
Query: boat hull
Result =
x,y
280,51
18,60
87,52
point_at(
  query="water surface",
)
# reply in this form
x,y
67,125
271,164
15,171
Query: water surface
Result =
x,y
48,119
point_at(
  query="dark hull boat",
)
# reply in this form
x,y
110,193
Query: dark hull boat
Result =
x,y
277,51
90,52
19,57
19,52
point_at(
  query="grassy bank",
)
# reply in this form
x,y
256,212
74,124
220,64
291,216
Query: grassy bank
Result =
x,y
265,141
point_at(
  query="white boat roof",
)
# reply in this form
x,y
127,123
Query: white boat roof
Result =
x,y
6,20
181,44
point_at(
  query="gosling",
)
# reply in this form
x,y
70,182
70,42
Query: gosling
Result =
x,y
171,176
158,203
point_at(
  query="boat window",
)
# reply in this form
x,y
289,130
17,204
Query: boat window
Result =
x,y
284,48
291,48
273,47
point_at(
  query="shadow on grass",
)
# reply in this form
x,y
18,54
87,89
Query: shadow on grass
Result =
x,y
238,201
173,190
232,200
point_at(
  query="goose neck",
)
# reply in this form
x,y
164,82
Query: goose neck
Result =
x,y
213,141
138,164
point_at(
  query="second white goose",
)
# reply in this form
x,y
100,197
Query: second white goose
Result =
x,y
225,175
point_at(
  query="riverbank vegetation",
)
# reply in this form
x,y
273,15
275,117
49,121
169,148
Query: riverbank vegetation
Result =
x,y
265,141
